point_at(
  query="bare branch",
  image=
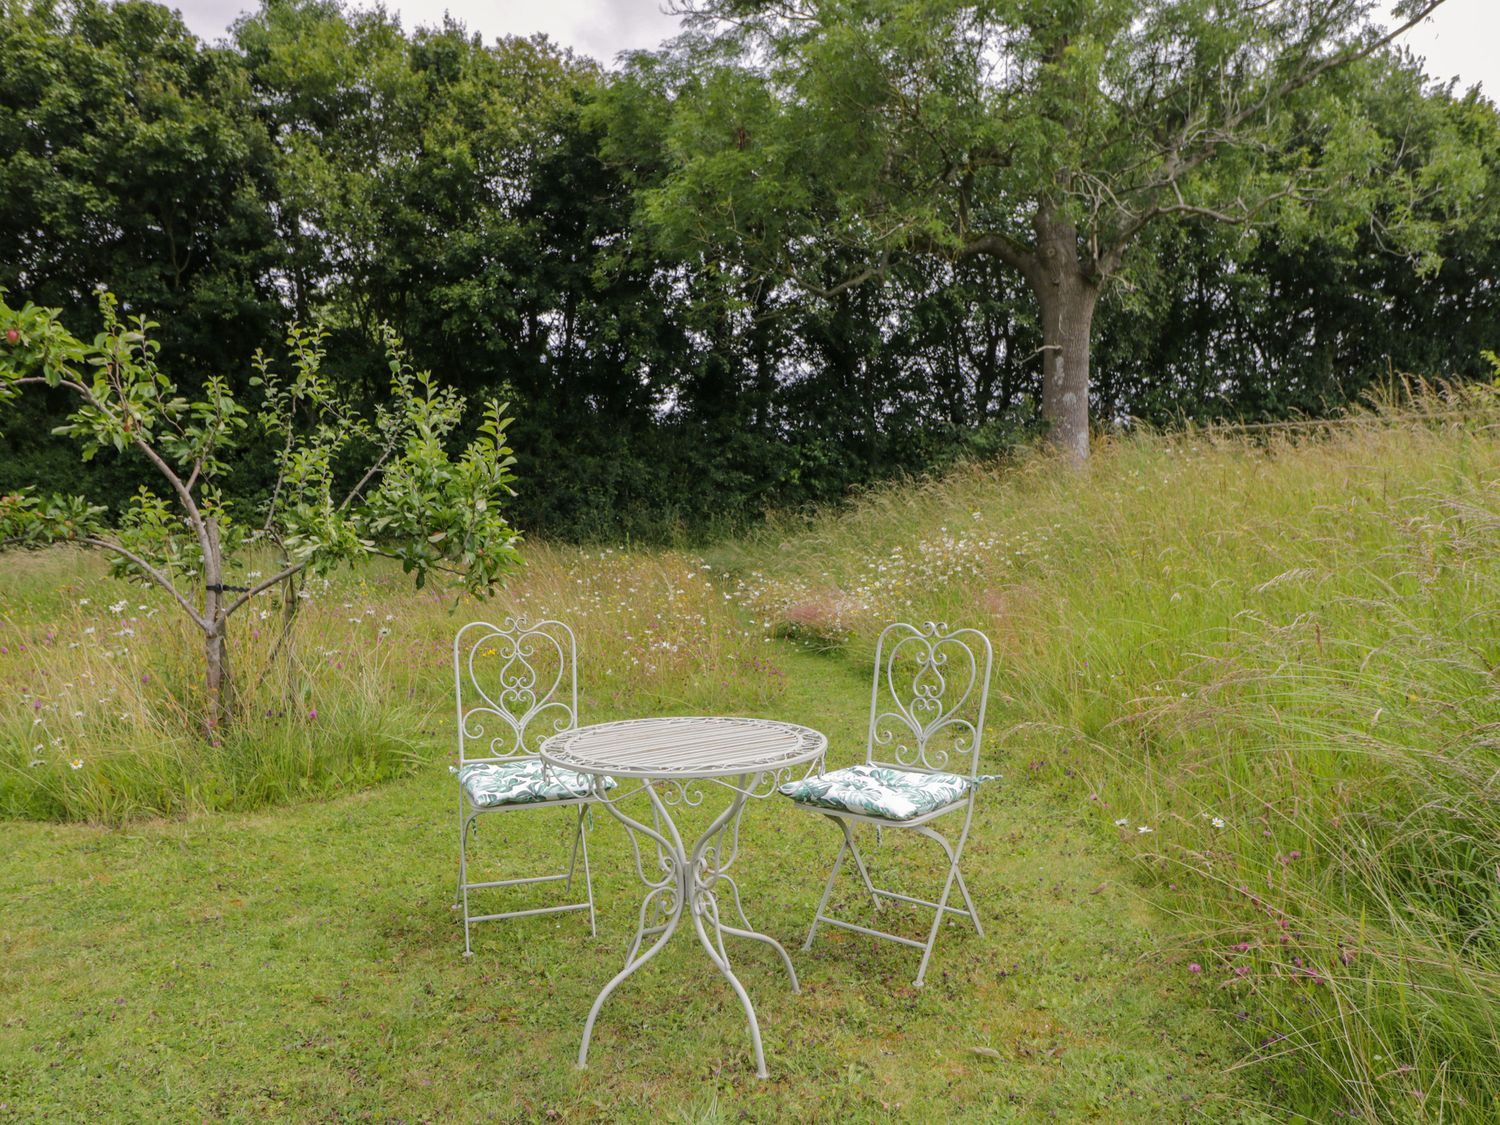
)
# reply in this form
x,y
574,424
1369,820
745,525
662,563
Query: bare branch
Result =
x,y
150,571
260,587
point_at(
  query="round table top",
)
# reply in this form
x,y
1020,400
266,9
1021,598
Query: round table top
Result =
x,y
685,746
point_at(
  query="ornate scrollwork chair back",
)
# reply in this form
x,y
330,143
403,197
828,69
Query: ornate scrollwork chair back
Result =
x,y
927,702
515,685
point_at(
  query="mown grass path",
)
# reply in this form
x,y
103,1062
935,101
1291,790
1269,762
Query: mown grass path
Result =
x,y
303,964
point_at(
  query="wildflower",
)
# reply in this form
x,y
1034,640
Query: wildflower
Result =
x,y
1122,823
1143,829
313,713
83,602
120,606
76,763
1217,822
1195,968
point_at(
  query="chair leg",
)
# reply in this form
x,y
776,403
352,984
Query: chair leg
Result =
x,y
859,861
588,882
463,880
968,902
573,859
458,890
827,890
953,855
580,847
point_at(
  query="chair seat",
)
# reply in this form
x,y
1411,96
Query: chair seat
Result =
x,y
880,791
523,782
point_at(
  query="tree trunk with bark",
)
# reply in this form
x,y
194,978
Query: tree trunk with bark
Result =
x,y
1066,294
219,687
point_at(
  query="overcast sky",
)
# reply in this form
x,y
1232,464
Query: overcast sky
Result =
x,y
1460,39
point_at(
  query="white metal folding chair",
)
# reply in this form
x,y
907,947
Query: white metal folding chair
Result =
x,y
927,702
519,680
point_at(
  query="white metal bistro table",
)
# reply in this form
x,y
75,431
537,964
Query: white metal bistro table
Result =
x,y
677,761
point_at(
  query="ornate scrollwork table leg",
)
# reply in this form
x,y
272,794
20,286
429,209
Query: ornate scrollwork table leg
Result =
x,y
688,879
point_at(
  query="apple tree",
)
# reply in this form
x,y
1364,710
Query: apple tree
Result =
x,y
410,499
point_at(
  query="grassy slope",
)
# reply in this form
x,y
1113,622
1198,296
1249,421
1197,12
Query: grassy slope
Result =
x,y
1297,641
303,963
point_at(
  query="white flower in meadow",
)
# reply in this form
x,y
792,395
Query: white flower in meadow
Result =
x,y
252,574
1121,823
1143,829
384,632
265,613
83,602
88,630
1217,822
119,606
76,763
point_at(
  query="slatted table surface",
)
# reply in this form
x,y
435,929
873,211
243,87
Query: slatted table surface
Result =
x,y
684,747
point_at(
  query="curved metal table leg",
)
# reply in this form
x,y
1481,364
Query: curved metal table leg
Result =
x,y
690,880
666,893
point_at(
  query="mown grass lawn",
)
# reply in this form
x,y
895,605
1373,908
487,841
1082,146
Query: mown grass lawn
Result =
x,y
303,963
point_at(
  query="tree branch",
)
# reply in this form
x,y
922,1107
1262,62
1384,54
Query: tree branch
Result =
x,y
282,576
155,575
195,518
1209,139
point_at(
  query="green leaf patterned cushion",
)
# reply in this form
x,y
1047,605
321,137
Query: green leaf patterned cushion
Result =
x,y
880,791
523,782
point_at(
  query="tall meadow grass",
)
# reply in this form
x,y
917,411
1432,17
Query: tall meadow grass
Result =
x,y
1271,668
101,704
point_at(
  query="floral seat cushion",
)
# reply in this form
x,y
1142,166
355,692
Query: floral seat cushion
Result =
x,y
522,782
880,791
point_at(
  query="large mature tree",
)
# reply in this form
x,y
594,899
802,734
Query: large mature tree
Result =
x,y
1048,135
